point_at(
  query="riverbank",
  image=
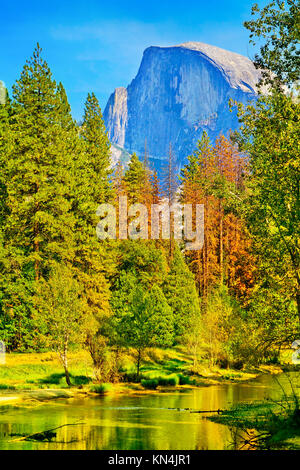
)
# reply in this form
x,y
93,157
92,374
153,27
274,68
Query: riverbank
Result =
x,y
271,424
165,419
40,376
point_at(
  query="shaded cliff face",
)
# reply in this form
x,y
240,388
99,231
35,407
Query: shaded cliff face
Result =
x,y
178,93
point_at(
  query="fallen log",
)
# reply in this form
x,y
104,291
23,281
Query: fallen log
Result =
x,y
44,435
207,411
196,411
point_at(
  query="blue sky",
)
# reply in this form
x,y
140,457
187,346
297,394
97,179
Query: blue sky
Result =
x,y
97,45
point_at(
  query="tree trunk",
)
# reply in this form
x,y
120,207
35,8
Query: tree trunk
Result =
x,y
64,360
67,374
138,365
298,303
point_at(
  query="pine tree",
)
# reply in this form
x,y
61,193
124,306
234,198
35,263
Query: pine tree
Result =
x,y
97,148
5,146
214,177
170,186
40,223
135,180
180,292
91,171
38,228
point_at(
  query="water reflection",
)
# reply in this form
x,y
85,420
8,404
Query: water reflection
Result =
x,y
133,422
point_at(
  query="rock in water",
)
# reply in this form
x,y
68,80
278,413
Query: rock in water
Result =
x,y
178,93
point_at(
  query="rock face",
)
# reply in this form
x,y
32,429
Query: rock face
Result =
x,y
2,93
178,93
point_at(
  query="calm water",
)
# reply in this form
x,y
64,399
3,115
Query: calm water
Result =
x,y
134,422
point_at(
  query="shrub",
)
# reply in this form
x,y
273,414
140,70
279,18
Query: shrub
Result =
x,y
7,387
185,380
53,379
166,380
150,384
106,360
60,379
174,380
80,379
101,388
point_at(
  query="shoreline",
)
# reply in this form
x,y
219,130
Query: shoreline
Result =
x,y
27,396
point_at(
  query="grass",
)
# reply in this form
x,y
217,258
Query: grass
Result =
x,y
276,423
154,380
171,367
101,389
43,371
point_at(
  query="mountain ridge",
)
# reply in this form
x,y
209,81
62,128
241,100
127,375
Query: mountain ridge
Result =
x,y
178,93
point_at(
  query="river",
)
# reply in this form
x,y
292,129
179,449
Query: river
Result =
x,y
155,421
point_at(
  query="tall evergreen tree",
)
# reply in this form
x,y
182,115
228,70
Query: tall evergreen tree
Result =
x,y
134,179
5,145
38,228
97,149
40,223
92,170
180,292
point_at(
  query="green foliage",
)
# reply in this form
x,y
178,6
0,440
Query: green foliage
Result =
x,y
60,379
7,387
172,380
270,134
51,184
39,181
135,180
150,384
61,309
100,389
274,422
106,360
163,380
37,225
225,330
181,295
185,380
143,260
143,320
278,24
97,151
149,319
92,170
61,313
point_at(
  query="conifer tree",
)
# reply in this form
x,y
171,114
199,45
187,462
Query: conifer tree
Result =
x,y
135,180
91,170
38,228
5,145
170,186
97,148
214,177
40,223
180,292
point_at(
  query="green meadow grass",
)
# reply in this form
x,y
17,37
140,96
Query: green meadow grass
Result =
x,y
172,367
